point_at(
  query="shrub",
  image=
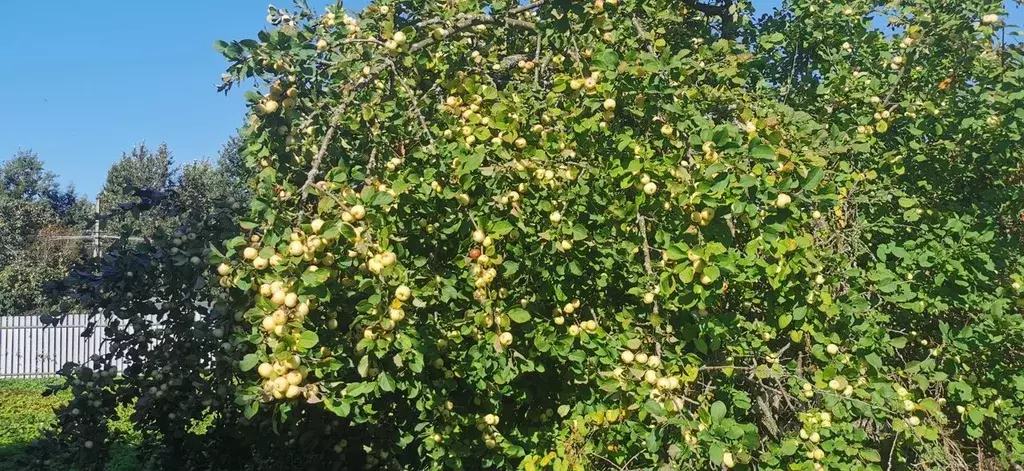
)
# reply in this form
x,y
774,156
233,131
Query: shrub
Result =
x,y
602,235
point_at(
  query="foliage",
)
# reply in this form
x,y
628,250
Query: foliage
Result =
x,y
198,185
159,309
25,413
36,219
231,163
23,177
140,168
596,235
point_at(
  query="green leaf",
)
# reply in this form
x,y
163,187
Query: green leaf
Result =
x,y
541,342
784,321
607,59
712,272
315,278
308,339
762,151
364,366
874,361
654,408
718,411
249,362
676,252
251,409
563,410
652,441
471,162
501,227
518,315
976,416
717,453
814,177
870,455
907,202
386,383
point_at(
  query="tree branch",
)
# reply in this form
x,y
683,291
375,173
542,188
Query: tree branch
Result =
x,y
642,222
641,33
536,60
415,103
467,22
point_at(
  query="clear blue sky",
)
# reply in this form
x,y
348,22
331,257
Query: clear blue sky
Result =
x,y
84,81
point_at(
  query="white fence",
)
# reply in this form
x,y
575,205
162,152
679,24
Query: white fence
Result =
x,y
30,349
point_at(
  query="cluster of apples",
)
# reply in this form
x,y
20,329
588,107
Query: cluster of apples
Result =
x,y
699,263
281,95
472,120
590,325
553,177
487,425
283,379
482,265
646,368
564,245
813,422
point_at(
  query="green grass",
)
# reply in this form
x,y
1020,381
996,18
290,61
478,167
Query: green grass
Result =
x,y
25,413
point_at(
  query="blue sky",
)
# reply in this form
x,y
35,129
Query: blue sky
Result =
x,y
85,81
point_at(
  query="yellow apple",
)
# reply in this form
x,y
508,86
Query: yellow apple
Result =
x,y
224,269
250,253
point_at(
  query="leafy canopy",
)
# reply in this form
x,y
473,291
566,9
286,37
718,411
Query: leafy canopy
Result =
x,y
611,235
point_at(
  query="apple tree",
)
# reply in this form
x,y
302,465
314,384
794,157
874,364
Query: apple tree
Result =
x,y
612,234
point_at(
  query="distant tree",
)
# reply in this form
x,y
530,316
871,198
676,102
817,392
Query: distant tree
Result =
x,y
23,178
231,162
38,222
200,185
39,219
197,185
139,168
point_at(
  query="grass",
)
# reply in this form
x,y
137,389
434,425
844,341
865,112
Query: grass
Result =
x,y
25,413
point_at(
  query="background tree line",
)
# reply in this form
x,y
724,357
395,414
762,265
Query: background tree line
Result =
x,y
46,227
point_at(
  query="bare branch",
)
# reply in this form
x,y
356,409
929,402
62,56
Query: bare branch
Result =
x,y
417,110
641,221
536,60
332,130
641,33
527,7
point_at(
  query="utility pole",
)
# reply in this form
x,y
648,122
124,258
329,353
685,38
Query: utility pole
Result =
x,y
96,231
